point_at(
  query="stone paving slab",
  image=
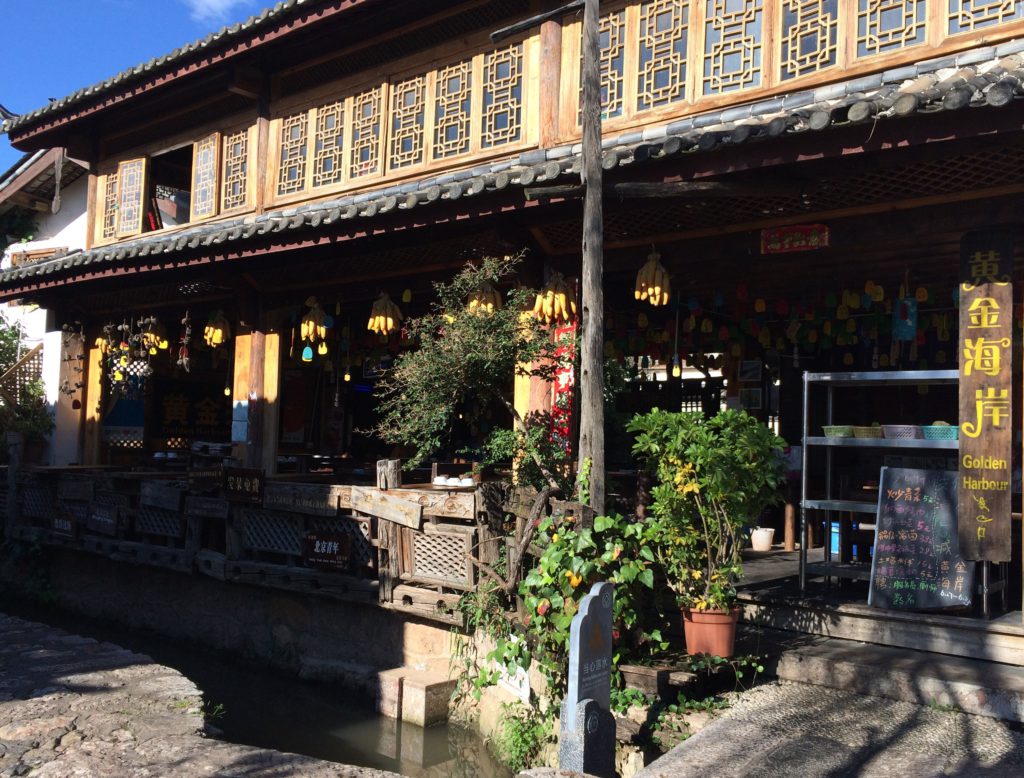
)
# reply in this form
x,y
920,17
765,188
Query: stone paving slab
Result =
x,y
790,730
71,707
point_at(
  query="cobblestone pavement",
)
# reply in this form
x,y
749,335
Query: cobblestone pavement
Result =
x,y
71,707
797,730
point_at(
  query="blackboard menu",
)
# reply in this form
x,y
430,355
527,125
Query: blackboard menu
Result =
x,y
917,563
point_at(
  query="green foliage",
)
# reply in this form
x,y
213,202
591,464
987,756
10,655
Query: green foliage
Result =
x,y
462,355
31,417
523,444
624,698
522,733
17,224
574,558
10,340
715,476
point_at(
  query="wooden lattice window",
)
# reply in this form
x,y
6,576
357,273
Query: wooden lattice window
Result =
x,y
234,186
612,35
663,39
205,159
106,212
809,41
408,115
131,196
329,144
366,126
970,15
291,172
733,45
889,25
503,96
453,110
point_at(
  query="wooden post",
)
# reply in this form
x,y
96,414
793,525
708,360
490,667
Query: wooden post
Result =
x,y
257,356
790,527
592,339
271,402
389,475
240,433
550,81
93,407
15,444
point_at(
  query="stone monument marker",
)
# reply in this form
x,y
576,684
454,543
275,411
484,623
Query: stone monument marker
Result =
x,y
587,738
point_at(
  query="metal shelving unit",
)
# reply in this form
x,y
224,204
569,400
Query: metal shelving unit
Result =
x,y
831,381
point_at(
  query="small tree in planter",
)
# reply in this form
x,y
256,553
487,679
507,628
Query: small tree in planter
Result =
x,y
714,478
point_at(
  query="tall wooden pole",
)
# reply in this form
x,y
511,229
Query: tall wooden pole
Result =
x,y
592,338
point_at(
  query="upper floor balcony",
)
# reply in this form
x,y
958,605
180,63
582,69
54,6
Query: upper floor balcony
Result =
x,y
467,100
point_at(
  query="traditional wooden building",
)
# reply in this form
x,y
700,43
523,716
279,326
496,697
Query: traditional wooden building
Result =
x,y
808,172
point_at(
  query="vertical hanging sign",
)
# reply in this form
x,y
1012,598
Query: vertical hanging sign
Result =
x,y
986,435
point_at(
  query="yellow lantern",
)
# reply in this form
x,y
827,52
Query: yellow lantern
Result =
x,y
217,331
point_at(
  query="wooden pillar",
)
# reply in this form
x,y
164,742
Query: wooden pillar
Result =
x,y
790,527
240,398
271,399
93,407
389,534
550,80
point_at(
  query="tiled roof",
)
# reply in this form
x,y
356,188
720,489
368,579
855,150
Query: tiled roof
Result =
x,y
976,78
250,26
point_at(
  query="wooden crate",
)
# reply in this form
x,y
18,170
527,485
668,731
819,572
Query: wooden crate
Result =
x,y
438,555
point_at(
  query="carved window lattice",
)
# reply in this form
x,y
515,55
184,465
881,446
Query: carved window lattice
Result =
x,y
328,144
503,96
664,36
968,15
733,44
453,101
810,30
408,113
131,195
613,66
233,190
109,228
204,177
365,134
291,175
889,25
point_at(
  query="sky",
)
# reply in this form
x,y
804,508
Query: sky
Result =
x,y
54,47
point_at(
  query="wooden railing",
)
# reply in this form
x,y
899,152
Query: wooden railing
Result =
x,y
14,383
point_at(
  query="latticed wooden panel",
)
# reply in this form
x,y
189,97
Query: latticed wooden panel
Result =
x,y
733,45
15,382
38,501
264,530
453,110
810,37
204,176
358,529
235,170
613,65
503,96
108,226
970,15
889,25
158,521
441,557
131,196
291,172
329,144
663,38
366,128
408,115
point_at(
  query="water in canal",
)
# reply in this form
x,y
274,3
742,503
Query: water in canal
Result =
x,y
259,707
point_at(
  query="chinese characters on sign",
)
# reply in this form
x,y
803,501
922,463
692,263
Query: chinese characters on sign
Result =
x,y
805,237
986,370
917,564
327,550
243,485
562,391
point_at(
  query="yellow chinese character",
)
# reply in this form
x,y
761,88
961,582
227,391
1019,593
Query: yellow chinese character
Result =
x,y
981,533
992,404
983,314
984,268
175,409
207,413
985,356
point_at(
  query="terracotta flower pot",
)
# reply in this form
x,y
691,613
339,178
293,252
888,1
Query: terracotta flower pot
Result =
x,y
710,632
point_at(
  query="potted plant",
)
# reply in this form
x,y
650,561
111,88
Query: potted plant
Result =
x,y
714,476
32,418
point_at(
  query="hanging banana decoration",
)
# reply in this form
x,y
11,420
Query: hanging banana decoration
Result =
x,y
485,299
312,327
384,316
652,282
555,302
217,331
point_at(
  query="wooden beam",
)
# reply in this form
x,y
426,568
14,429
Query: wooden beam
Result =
x,y
533,21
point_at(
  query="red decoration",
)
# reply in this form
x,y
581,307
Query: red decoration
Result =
x,y
802,237
565,379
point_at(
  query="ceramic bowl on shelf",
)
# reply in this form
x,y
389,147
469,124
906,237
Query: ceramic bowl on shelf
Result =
x,y
452,482
467,482
440,481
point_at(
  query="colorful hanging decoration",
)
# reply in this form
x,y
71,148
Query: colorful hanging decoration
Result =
x,y
652,282
217,331
313,326
555,302
153,335
72,364
384,316
185,342
485,299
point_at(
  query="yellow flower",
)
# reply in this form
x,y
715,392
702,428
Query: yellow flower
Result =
x,y
554,538
574,580
696,574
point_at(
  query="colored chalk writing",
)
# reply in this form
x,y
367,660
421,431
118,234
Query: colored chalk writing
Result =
x,y
917,563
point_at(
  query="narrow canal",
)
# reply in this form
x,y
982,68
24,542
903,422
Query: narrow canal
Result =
x,y
259,707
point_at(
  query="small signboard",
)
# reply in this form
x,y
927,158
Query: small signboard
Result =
x,y
798,237
243,485
917,563
327,550
102,519
69,516
206,480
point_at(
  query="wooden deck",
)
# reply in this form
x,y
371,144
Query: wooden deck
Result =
x,y
771,597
